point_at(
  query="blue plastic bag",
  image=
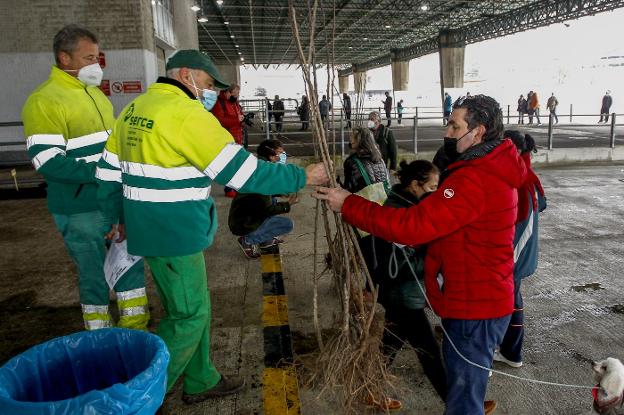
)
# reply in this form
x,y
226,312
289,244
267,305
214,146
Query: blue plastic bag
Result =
x,y
108,371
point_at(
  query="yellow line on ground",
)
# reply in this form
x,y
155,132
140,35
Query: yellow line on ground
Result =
x,y
281,391
274,310
271,263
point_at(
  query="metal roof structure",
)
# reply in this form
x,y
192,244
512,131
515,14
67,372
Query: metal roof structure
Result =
x,y
369,33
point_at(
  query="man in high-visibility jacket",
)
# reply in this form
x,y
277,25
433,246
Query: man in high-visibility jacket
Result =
x,y
67,120
165,150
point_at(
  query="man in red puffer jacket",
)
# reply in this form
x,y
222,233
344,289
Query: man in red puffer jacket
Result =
x,y
230,115
468,224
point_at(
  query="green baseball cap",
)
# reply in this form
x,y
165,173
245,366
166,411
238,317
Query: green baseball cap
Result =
x,y
194,59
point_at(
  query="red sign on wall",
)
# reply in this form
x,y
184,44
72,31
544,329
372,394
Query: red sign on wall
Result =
x,y
132,87
105,87
102,60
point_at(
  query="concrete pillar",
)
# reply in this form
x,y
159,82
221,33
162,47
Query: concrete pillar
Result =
x,y
451,62
126,37
230,73
185,24
359,81
343,84
400,74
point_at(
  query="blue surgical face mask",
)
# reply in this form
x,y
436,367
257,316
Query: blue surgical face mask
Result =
x,y
282,158
207,97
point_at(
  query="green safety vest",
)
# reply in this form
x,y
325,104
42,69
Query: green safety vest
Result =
x,y
66,125
161,158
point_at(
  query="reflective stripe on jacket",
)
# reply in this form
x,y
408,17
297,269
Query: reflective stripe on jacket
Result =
x,y
161,159
66,125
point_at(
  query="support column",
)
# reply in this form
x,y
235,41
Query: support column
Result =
x,y
185,24
343,84
359,81
230,73
451,63
400,74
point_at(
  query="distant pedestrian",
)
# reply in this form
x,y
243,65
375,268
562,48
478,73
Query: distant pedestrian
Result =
x,y
522,109
552,107
269,113
607,101
324,109
304,113
346,105
534,107
278,113
400,111
448,106
388,107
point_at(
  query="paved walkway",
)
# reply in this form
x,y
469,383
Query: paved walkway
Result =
x,y
574,304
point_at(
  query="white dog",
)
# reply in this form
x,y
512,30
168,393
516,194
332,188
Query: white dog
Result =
x,y
609,397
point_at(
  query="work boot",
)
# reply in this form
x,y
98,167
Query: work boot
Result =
x,y
489,407
226,386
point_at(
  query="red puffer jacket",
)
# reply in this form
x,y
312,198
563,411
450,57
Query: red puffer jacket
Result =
x,y
227,113
468,224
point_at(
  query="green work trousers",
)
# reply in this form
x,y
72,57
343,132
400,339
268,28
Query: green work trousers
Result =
x,y
183,289
83,234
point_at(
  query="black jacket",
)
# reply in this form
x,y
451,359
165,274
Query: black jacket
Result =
x,y
353,180
249,210
387,145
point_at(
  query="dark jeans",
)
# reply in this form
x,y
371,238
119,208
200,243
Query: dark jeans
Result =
x,y
554,114
604,113
278,123
400,117
476,341
389,117
348,118
411,325
272,227
511,347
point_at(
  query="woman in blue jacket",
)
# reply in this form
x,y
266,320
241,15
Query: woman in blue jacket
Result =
x,y
531,201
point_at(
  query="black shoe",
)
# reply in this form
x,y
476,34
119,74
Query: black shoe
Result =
x,y
226,386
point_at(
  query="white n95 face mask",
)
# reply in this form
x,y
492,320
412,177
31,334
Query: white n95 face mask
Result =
x,y
370,124
91,75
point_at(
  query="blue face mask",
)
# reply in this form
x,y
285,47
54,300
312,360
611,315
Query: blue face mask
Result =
x,y
282,158
207,97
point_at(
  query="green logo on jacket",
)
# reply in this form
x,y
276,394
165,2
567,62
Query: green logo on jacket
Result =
x,y
136,120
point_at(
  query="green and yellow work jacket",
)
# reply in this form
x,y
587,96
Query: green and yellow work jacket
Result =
x,y
159,162
66,125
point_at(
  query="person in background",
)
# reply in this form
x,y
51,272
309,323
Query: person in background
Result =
x,y
365,157
607,101
304,113
448,106
399,292
388,107
67,120
551,104
278,113
468,226
255,218
384,139
531,202
269,111
522,109
400,111
230,115
346,106
534,107
324,109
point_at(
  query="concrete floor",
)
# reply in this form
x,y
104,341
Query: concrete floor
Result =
x,y
574,304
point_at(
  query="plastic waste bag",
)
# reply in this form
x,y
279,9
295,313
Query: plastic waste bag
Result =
x,y
107,371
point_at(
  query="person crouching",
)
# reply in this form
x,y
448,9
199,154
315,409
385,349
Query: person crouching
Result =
x,y
254,217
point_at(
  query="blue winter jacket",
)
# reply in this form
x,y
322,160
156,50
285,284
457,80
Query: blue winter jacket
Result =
x,y
526,245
